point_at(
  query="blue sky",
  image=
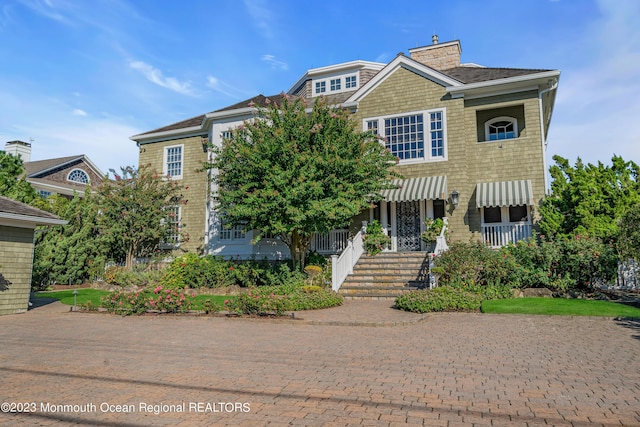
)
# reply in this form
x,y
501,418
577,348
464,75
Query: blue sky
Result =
x,y
81,77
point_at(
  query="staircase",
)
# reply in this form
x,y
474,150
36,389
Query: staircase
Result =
x,y
387,275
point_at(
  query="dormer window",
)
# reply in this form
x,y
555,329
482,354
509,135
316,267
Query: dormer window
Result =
x,y
79,176
501,128
321,87
335,84
350,82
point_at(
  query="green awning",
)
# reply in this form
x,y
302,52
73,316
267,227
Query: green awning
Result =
x,y
504,193
423,188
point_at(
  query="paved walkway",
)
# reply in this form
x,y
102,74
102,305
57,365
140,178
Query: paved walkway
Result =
x,y
321,368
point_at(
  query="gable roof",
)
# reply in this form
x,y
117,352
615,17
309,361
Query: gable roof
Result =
x,y
39,168
21,213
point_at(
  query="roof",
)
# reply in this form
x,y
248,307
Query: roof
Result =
x,y
188,123
13,210
38,168
34,168
468,75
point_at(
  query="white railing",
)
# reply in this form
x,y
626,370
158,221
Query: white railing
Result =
x,y
500,235
333,242
342,266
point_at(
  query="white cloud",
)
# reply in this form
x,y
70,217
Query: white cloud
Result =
x,y
597,110
155,76
274,63
261,15
47,9
79,112
224,88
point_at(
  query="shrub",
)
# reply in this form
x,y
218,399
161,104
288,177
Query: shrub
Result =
x,y
193,271
563,264
314,258
162,300
139,277
442,298
374,239
470,264
168,301
258,303
278,299
433,227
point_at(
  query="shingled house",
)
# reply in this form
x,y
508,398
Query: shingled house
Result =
x,y
470,142
17,226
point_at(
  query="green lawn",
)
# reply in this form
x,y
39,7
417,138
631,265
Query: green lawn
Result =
x,y
560,306
94,295
84,295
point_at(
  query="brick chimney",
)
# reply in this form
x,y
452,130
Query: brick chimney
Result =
x,y
439,56
19,148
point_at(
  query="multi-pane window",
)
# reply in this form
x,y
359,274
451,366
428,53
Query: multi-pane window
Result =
x,y
79,176
501,128
405,136
372,126
44,193
413,137
321,87
437,134
231,233
350,82
335,84
173,223
173,161
226,134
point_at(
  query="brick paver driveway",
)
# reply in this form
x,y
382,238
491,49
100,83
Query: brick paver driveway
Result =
x,y
447,370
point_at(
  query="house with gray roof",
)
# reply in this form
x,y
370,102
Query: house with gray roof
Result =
x,y
470,142
63,175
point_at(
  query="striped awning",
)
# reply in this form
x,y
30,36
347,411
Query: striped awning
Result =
x,y
504,193
423,188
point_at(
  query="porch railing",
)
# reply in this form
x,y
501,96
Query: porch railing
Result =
x,y
342,266
500,235
333,242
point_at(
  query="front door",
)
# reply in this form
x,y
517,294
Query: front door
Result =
x,y
408,223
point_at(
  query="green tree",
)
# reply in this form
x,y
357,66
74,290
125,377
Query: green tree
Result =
x,y
294,173
589,199
135,213
12,180
629,238
69,253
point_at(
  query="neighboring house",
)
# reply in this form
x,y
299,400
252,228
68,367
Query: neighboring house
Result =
x,y
470,141
63,175
17,226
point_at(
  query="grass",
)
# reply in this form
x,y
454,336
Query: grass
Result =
x,y
84,296
94,295
560,306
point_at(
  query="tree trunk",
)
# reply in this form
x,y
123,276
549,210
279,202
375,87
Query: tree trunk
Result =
x,y
298,246
129,259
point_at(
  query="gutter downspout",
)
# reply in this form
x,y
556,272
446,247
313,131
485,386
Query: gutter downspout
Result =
x,y
543,136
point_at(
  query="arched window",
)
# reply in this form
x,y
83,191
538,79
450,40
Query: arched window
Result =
x,y
79,176
501,128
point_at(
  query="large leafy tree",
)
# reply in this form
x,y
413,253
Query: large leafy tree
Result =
x,y
589,199
69,253
291,172
12,181
135,213
629,233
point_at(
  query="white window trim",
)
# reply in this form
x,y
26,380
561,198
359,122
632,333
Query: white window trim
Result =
x,y
78,182
427,136
504,217
500,119
176,244
165,168
343,84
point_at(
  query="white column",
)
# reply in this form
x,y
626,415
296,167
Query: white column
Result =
x,y
394,228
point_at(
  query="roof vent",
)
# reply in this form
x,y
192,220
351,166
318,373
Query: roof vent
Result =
x,y
434,39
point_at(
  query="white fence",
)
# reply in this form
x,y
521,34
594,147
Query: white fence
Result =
x,y
342,266
500,235
331,243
